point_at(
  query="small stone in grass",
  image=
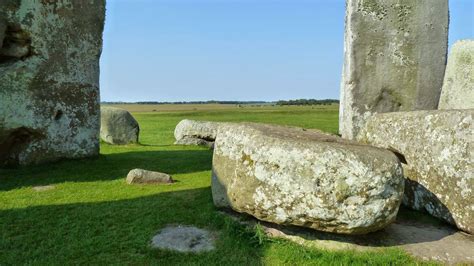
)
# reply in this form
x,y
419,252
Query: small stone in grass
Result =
x,y
140,176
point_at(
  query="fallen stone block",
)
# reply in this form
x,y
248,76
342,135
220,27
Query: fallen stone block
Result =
x,y
292,176
458,86
191,129
140,176
117,126
438,149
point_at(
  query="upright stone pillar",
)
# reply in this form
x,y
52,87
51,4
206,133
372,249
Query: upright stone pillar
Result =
x,y
395,58
49,79
458,86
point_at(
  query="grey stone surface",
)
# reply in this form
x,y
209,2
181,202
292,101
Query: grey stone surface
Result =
x,y
140,176
204,130
305,178
117,126
458,86
395,58
195,141
184,239
438,148
49,79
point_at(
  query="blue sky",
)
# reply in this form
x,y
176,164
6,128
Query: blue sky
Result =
x,y
184,50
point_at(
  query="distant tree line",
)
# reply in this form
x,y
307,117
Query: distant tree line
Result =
x,y
308,102
191,102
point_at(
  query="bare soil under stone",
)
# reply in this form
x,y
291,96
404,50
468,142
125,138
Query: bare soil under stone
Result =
x,y
418,234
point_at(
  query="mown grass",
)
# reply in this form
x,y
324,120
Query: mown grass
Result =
x,y
93,217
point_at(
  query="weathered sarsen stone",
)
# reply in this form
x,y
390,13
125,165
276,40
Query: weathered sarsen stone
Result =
x,y
117,126
295,177
191,132
438,148
49,79
395,58
458,86
140,176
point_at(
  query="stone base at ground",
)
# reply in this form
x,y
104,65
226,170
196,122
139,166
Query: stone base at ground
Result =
x,y
118,126
458,86
306,178
438,149
422,238
195,142
184,239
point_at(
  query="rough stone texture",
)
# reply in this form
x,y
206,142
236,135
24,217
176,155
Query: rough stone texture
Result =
x,y
458,86
184,239
195,141
196,129
49,79
140,176
395,58
117,126
305,178
438,148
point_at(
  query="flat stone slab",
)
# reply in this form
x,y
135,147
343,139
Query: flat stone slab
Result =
x,y
184,239
422,240
43,188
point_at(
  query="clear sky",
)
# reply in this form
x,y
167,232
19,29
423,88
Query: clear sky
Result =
x,y
185,50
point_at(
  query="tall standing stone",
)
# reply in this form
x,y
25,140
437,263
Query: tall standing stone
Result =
x,y
458,86
395,58
49,79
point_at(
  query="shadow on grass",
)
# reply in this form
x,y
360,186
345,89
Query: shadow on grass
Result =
x,y
106,167
119,232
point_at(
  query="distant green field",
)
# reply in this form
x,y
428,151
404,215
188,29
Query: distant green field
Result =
x,y
93,217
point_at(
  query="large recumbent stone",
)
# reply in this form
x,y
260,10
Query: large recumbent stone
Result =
x,y
438,148
305,178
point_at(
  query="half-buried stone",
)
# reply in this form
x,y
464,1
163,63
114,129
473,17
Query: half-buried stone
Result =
x,y
200,133
291,176
117,126
438,147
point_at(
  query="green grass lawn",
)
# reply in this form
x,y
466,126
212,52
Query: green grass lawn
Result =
x,y
93,217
